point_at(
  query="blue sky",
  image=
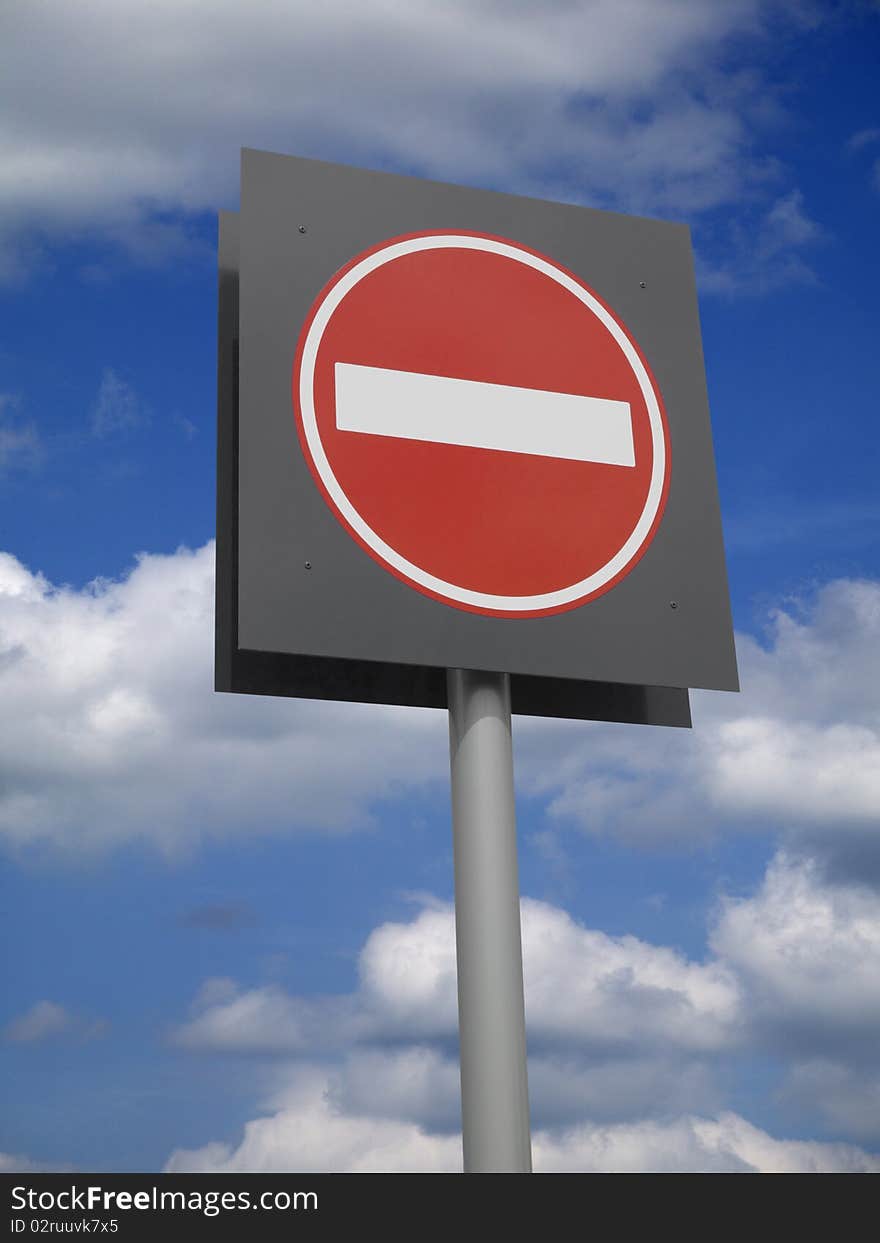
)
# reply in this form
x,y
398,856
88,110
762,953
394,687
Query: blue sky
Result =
x,y
228,920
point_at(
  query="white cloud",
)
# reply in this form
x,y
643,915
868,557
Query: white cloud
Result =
x,y
795,969
308,1131
767,766
419,1084
110,729
808,952
619,1030
798,750
146,106
414,1084
566,1088
583,990
586,986
309,1134
408,975
696,1145
42,1020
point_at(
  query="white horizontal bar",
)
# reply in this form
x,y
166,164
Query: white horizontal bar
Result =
x,y
413,406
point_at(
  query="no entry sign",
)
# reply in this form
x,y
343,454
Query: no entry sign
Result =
x,y
482,423
478,510
462,430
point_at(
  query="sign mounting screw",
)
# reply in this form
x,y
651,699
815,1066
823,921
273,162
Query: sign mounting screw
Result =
x,y
302,228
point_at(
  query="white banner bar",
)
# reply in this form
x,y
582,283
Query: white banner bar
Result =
x,y
413,406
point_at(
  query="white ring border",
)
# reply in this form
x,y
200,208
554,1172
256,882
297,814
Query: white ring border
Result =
x,y
451,591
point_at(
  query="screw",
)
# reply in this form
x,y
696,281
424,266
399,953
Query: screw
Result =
x,y
673,604
308,565
302,228
642,285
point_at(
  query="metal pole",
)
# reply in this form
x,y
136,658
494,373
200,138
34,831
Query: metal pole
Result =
x,y
491,1013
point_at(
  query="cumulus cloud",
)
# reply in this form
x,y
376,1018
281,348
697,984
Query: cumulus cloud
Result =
x,y
727,1143
632,1048
797,751
142,117
618,1029
110,730
309,1132
583,989
420,1084
808,952
416,1084
793,969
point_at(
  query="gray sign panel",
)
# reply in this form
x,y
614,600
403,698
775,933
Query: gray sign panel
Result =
x,y
304,606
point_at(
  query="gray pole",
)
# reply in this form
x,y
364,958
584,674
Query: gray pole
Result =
x,y
491,1014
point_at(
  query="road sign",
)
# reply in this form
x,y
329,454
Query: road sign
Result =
x,y
482,423
495,492
462,430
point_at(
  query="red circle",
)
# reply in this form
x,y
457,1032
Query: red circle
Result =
x,y
498,523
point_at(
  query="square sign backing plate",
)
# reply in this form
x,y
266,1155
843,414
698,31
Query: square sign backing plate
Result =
x,y
462,429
